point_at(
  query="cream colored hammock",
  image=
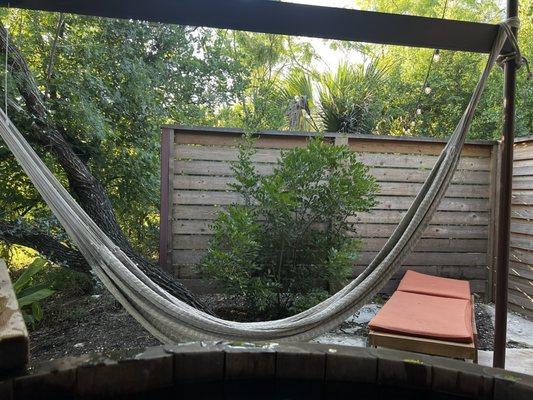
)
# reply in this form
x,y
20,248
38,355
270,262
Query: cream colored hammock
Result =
x,y
172,320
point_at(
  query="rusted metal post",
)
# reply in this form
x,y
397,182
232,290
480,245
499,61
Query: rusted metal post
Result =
x,y
506,181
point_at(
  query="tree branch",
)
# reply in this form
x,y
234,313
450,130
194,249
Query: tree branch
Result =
x,y
50,67
89,191
24,235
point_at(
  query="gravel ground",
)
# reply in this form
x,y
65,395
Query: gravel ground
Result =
x,y
485,328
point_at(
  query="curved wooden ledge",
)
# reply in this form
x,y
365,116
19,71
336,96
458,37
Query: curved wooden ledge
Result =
x,y
201,364
13,333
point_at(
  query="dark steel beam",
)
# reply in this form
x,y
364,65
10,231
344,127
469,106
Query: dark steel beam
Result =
x,y
287,19
506,186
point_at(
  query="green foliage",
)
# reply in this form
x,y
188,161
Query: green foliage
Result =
x,y
452,78
293,232
261,102
114,82
297,88
349,99
29,294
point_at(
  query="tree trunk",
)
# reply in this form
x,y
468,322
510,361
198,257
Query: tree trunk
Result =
x,y
48,246
88,190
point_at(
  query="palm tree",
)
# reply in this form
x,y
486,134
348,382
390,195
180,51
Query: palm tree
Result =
x,y
297,89
349,99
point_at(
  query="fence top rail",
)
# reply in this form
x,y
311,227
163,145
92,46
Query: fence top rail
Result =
x,y
361,136
523,139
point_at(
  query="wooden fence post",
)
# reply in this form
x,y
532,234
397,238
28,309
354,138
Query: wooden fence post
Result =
x,y
341,140
492,246
167,186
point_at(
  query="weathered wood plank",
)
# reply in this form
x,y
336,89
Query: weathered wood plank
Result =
x,y
520,241
523,151
370,146
188,227
447,204
223,153
217,168
523,183
521,256
233,139
383,202
357,144
192,182
523,227
525,162
522,198
221,168
364,258
404,161
528,313
455,190
431,258
522,303
493,216
201,242
524,271
14,342
200,212
437,245
523,171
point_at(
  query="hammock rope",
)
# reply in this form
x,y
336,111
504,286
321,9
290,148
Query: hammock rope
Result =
x,y
171,320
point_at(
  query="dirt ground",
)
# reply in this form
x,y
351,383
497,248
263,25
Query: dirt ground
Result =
x,y
75,326
98,323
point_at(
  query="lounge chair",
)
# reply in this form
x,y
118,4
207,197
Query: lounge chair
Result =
x,y
428,314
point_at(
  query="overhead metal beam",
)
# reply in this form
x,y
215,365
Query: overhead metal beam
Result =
x,y
287,19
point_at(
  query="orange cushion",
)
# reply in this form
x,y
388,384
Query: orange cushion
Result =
x,y
426,316
415,282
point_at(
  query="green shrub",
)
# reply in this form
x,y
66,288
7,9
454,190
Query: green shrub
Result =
x,y
29,293
293,235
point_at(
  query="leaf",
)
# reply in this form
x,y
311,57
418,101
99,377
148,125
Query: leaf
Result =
x,y
37,311
36,266
31,289
35,296
29,320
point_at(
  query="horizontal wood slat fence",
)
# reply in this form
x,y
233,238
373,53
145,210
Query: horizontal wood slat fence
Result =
x,y
196,171
521,255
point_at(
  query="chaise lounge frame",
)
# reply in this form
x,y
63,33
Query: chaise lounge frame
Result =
x,y
434,347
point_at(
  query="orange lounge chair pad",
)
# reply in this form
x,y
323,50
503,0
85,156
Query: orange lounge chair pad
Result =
x,y
415,282
426,316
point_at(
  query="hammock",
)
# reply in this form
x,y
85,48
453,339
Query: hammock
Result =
x,y
170,319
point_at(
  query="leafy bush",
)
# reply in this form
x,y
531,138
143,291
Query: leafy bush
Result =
x,y
30,294
293,234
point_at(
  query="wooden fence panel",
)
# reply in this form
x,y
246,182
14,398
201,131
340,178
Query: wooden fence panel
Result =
x,y
456,244
521,256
